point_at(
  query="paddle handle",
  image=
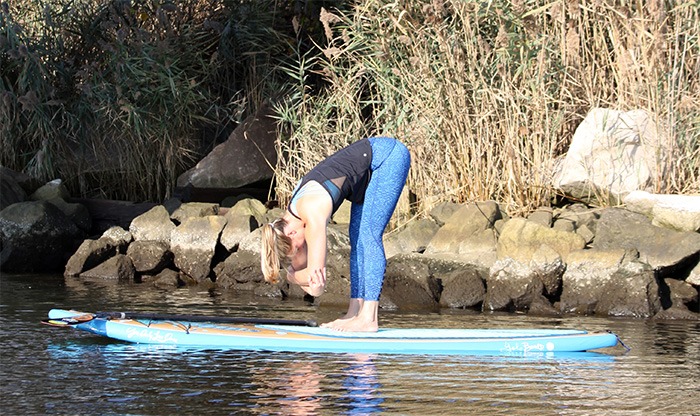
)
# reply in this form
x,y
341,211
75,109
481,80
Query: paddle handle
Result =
x,y
203,318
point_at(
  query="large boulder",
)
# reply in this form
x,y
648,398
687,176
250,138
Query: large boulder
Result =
x,y
238,227
78,213
10,191
193,209
678,212
90,254
149,257
663,249
118,267
609,282
240,271
520,239
414,238
409,285
249,206
461,289
51,190
694,276
36,236
468,235
152,225
193,244
611,154
518,284
248,156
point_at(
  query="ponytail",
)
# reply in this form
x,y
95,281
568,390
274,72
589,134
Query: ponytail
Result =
x,y
275,246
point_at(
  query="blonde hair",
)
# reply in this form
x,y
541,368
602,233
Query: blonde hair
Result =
x,y
275,246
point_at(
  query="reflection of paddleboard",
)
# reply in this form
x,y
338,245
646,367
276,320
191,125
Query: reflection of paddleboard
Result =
x,y
249,334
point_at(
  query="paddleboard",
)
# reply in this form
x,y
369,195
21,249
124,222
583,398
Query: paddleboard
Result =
x,y
296,338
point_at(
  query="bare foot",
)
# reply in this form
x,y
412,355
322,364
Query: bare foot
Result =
x,y
365,321
356,324
353,309
334,324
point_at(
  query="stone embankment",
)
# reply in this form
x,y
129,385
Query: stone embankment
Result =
x,y
610,261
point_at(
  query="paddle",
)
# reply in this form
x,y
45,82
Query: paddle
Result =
x,y
78,319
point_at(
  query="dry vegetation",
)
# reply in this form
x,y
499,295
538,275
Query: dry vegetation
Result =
x,y
488,94
119,97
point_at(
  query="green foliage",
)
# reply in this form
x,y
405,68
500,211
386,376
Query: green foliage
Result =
x,y
115,96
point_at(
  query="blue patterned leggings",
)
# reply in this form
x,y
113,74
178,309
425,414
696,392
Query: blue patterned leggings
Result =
x,y
390,163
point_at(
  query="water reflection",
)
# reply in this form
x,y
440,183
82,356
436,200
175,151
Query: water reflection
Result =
x,y
362,385
63,371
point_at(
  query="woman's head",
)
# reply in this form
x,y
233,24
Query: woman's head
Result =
x,y
275,246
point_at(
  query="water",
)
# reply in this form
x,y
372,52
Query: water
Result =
x,y
47,370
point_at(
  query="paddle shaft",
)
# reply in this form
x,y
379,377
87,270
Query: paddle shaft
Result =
x,y
203,318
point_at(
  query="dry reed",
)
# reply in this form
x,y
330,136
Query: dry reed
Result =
x,y
487,94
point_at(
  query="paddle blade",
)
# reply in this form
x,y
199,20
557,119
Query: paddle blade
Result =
x,y
68,321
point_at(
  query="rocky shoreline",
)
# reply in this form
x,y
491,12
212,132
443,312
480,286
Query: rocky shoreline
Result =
x,y
572,260
639,258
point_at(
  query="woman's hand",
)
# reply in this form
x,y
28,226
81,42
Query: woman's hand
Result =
x,y
317,281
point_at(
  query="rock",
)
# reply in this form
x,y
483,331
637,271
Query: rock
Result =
x,y
677,313
678,294
343,214
577,216
26,182
611,154
520,239
194,209
461,289
587,271
251,242
542,216
167,279
240,271
149,257
662,248
540,306
193,244
630,293
36,236
249,206
90,254
609,282
694,276
469,234
512,285
678,212
51,190
238,226
118,237
77,213
245,158
410,286
118,267
10,191
153,225
412,239
443,211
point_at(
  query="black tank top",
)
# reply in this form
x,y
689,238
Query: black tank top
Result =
x,y
344,174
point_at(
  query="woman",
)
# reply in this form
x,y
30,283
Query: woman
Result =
x,y
371,174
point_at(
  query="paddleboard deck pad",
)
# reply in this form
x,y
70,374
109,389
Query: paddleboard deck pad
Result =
x,y
297,338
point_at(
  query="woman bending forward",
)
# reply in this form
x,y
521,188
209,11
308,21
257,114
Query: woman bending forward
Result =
x,y
371,174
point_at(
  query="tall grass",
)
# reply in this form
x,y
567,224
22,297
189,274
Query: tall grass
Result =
x,y
118,97
487,94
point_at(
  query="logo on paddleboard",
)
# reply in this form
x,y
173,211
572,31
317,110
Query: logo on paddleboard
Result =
x,y
150,336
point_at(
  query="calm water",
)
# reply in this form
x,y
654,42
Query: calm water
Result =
x,y
48,370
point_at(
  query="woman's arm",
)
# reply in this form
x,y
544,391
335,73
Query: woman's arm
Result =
x,y
315,211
